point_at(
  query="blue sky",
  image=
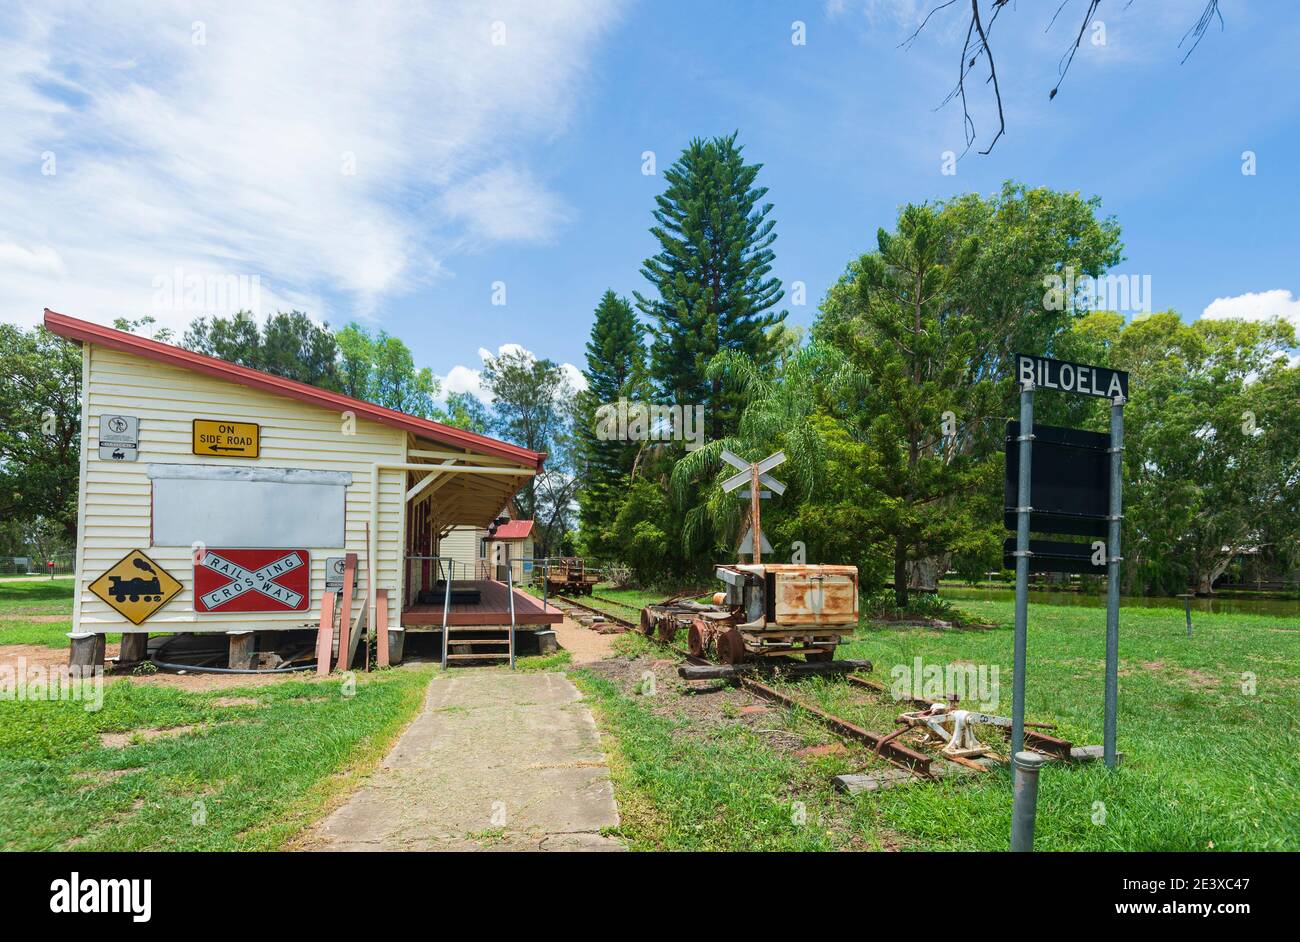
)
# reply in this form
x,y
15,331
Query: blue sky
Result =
x,y
393,164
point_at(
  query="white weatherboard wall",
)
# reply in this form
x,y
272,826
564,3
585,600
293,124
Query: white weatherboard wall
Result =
x,y
462,545
116,506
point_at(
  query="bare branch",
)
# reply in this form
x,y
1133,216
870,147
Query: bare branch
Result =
x,y
976,46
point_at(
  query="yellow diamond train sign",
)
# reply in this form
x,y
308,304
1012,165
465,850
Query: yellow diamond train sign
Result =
x,y
136,587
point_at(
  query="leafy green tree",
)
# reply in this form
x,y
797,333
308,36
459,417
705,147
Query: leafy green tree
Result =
x,y
465,410
1212,445
712,276
379,368
615,370
778,415
533,405
146,326
40,430
235,339
915,352
296,347
289,344
647,532
933,319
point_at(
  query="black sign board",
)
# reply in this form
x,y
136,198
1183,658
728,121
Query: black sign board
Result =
x,y
1055,556
1071,377
1069,481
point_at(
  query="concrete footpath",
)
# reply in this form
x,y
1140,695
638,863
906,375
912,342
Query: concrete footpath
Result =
x,y
495,761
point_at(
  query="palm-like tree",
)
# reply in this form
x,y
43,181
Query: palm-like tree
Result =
x,y
777,416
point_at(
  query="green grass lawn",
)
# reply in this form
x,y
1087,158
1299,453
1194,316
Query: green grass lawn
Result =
x,y
36,597
1207,764
25,610
246,776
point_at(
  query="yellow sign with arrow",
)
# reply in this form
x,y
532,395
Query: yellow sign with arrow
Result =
x,y
227,439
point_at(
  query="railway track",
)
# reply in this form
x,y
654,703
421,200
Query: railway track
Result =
x,y
884,746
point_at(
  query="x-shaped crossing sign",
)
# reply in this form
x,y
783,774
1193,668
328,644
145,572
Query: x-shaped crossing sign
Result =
x,y
254,580
755,475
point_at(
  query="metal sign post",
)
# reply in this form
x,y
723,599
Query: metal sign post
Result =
x,y
1113,559
1023,510
1080,494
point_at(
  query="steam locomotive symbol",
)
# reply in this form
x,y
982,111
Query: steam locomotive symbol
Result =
x,y
148,589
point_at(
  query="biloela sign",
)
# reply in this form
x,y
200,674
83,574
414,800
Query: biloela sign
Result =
x,y
1045,373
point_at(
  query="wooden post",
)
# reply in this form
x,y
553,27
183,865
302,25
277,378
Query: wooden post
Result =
x,y
345,619
241,648
86,650
756,530
325,640
381,627
135,648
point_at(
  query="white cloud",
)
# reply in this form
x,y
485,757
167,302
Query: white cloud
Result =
x,y
41,261
1256,306
464,379
231,156
505,204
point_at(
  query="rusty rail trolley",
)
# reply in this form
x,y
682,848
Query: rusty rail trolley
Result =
x,y
765,610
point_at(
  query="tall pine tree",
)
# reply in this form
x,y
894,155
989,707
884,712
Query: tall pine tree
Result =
x,y
712,277
615,369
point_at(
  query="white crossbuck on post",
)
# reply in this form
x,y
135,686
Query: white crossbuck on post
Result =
x,y
755,475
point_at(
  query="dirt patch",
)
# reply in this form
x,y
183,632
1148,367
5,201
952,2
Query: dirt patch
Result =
x,y
701,707
43,619
236,701
584,644
122,740
203,682
1196,679
829,749
55,662
101,776
52,660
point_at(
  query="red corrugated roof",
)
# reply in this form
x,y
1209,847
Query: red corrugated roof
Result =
x,y
514,530
87,332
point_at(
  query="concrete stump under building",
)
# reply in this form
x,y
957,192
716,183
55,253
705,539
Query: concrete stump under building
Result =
x,y
135,648
241,649
396,642
87,649
547,643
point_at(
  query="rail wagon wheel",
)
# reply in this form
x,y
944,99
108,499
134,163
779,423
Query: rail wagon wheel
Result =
x,y
816,656
667,629
731,646
695,638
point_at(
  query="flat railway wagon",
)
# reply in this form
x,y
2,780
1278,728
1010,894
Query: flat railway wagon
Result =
x,y
570,576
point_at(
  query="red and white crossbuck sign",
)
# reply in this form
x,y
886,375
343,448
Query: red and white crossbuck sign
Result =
x,y
253,580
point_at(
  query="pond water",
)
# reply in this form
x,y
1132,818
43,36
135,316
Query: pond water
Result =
x,y
1236,604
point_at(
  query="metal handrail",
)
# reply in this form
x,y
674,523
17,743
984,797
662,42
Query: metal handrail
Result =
x,y
510,586
446,610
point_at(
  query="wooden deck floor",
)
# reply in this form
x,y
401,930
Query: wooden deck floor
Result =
x,y
493,608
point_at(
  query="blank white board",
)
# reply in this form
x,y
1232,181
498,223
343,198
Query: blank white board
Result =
x,y
223,506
